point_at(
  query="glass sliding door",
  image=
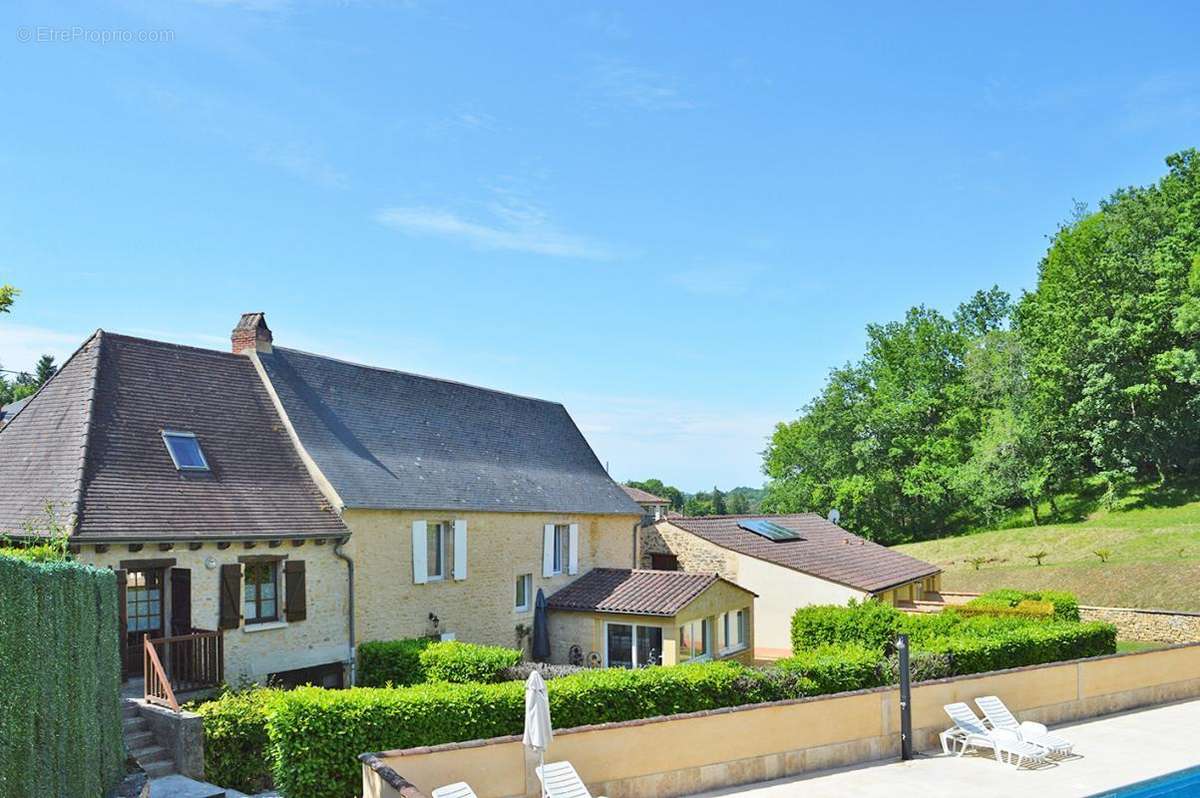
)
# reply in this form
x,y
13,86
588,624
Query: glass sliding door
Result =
x,y
620,645
649,645
632,645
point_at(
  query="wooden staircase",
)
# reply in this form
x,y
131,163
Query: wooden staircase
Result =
x,y
141,745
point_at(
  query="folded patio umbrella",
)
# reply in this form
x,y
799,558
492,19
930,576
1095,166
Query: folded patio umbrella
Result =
x,y
538,730
541,632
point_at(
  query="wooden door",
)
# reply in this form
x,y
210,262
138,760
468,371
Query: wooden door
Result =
x,y
143,613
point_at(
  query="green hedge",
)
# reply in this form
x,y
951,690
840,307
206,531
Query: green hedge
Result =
x,y
871,623
1025,608
400,663
1066,607
60,679
236,740
834,668
1033,644
465,663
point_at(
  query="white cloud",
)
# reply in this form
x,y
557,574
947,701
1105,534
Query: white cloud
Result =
x,y
298,161
623,83
21,345
514,225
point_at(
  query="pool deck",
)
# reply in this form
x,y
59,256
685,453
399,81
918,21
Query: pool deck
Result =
x,y
1114,750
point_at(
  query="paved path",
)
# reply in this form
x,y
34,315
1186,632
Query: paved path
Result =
x,y
1115,750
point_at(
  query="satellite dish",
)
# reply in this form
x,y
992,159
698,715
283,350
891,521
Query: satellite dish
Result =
x,y
834,516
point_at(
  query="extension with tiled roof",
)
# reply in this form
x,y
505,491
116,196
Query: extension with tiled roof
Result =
x,y
789,561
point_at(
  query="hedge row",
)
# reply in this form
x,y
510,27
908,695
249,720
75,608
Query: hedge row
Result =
x,y
399,663
1025,608
60,680
1066,607
236,742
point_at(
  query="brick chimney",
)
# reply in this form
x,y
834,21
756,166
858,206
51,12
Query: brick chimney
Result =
x,y
251,332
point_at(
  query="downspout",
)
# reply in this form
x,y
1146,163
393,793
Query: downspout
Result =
x,y
350,593
636,527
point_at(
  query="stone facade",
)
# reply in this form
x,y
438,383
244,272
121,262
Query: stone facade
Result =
x,y
695,554
1159,626
482,607
255,650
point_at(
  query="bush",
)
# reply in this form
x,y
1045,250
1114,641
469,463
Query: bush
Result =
x,y
1066,607
236,740
1026,608
395,662
1031,644
837,668
60,679
466,663
871,623
923,666
317,734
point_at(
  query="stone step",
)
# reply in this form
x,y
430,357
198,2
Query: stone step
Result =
x,y
139,739
131,725
150,753
158,769
178,786
129,709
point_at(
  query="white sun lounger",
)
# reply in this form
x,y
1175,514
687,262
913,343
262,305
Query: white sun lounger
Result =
x,y
969,732
561,781
999,716
457,790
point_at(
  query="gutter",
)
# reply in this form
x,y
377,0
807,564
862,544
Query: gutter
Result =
x,y
350,595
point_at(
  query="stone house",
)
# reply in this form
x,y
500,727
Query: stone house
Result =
x,y
789,561
654,508
276,507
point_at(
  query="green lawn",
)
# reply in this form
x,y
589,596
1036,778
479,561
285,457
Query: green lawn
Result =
x,y
1155,558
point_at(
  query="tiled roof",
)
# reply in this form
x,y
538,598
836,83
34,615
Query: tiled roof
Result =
x,y
11,409
625,592
826,550
392,440
643,496
111,402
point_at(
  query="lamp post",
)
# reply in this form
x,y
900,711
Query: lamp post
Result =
x,y
906,751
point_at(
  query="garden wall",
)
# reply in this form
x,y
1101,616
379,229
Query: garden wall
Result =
x,y
60,678
684,754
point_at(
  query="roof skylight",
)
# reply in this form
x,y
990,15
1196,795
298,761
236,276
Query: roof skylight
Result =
x,y
767,529
185,451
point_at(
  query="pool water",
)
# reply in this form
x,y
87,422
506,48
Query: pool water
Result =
x,y
1181,783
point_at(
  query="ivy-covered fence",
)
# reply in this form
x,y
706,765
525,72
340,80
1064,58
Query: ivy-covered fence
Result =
x,y
60,679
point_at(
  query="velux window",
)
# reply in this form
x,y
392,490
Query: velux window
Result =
x,y
185,451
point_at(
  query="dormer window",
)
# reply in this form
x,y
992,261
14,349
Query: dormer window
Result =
x,y
185,451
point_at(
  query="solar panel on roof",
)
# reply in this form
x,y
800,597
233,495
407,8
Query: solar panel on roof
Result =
x,y
769,530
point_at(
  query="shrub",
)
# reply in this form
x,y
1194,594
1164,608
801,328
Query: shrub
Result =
x,y
923,666
235,739
316,734
1030,644
395,662
1026,608
1066,607
871,623
465,663
60,678
837,668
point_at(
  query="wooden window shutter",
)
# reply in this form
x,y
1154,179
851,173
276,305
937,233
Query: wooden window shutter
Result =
x,y
231,596
573,550
548,550
420,552
295,606
460,549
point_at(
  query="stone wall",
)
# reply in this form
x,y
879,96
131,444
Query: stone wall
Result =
x,y
695,554
1160,626
482,607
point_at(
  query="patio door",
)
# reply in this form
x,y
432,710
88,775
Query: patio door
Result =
x,y
143,613
632,645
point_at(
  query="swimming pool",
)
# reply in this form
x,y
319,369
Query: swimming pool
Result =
x,y
1183,782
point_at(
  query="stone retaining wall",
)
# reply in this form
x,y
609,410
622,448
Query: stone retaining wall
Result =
x,y
1160,626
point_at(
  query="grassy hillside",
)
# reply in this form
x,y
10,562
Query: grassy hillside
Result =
x,y
1155,559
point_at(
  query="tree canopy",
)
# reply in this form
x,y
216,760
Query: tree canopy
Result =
x,y
950,421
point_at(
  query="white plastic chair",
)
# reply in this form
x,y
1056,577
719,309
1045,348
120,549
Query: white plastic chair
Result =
x,y
999,716
969,730
457,790
559,780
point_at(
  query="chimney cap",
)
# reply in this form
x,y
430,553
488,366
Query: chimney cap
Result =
x,y
252,332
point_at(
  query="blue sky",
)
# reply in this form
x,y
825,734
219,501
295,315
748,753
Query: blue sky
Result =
x,y
674,218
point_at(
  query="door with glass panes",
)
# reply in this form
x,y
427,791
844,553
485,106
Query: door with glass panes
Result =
x,y
628,645
144,613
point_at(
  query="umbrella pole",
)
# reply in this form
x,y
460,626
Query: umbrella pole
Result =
x,y
542,765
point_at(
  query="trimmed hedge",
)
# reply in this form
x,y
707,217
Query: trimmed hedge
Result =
x,y
236,740
394,662
466,663
1025,608
1033,644
836,668
871,623
60,680
400,663
1066,607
